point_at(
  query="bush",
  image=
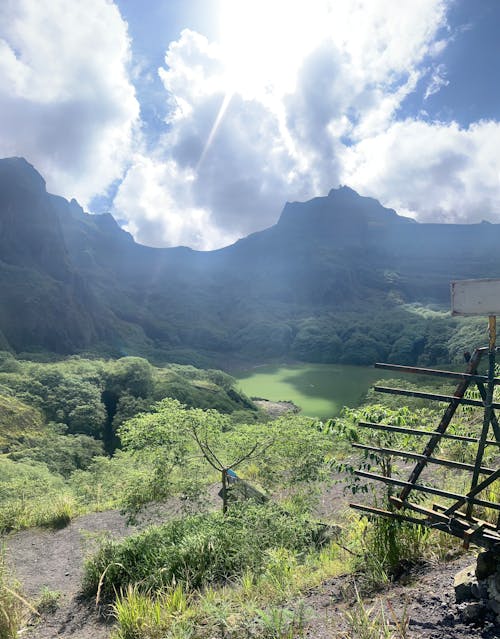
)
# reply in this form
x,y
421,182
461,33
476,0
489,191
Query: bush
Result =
x,y
389,546
198,550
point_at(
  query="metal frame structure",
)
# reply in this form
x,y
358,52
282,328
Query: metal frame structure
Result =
x,y
458,518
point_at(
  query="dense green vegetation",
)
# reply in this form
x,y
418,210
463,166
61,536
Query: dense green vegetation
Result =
x,y
206,573
199,550
59,419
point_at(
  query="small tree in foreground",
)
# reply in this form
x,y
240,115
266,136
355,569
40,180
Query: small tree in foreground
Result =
x,y
201,437
176,443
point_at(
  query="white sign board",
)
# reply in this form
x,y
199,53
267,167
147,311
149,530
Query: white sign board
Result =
x,y
475,297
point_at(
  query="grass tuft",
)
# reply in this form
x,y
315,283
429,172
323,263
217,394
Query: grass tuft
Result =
x,y
13,606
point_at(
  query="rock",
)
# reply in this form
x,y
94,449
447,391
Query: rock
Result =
x,y
494,605
488,563
479,590
473,613
463,583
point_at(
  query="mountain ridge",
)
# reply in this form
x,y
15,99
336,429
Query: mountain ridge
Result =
x,y
95,287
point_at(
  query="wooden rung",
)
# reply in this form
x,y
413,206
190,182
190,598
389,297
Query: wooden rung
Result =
x,y
432,396
424,458
463,516
486,539
430,514
434,372
424,433
426,489
386,513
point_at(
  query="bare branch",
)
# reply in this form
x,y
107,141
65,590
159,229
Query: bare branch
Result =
x,y
214,456
202,448
254,452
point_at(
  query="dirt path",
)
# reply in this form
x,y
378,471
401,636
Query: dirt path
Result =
x,y
53,560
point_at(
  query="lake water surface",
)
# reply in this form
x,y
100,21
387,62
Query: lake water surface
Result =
x,y
320,390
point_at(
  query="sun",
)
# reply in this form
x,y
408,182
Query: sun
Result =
x,y
264,42
262,45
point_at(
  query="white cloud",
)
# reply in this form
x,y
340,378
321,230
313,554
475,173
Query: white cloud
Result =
x,y
431,171
438,80
66,101
159,215
250,143
286,104
239,182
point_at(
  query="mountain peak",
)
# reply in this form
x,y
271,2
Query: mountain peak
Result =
x,y
342,210
20,171
344,191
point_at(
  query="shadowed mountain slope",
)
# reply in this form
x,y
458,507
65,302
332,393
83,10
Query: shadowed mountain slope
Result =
x,y
71,281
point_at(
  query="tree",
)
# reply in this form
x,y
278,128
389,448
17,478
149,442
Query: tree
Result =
x,y
200,430
178,442
131,375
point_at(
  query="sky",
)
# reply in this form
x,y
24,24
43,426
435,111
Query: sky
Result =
x,y
194,121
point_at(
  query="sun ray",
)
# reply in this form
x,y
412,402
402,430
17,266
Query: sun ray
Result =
x,y
218,120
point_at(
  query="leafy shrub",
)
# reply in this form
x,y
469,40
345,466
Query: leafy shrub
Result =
x,y
199,549
388,547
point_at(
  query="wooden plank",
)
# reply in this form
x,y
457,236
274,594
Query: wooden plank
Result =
x,y
494,421
433,372
488,411
430,489
432,396
424,433
431,514
485,540
458,514
387,513
418,456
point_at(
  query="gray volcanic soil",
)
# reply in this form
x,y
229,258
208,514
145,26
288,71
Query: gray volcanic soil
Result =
x,y
422,605
54,559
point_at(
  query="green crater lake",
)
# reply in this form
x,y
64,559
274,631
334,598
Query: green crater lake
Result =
x,y
320,390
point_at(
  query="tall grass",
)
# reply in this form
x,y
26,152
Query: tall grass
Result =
x,y
378,621
141,614
56,511
13,607
387,547
199,549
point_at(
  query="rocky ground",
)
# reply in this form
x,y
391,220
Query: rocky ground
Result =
x,y
275,409
421,604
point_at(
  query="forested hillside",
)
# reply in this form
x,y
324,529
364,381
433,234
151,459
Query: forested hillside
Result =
x,y
337,279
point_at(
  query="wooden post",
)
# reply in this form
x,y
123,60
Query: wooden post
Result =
x,y
488,409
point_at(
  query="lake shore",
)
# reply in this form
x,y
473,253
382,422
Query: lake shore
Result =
x,y
275,409
319,390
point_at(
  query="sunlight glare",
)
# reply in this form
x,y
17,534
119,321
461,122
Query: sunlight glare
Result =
x,y
265,41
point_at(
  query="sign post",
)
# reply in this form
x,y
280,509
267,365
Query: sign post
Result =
x,y
473,298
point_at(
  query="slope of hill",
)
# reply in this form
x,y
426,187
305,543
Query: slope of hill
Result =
x,y
332,269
